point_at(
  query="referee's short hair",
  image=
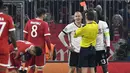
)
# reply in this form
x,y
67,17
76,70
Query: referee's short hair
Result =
x,y
90,14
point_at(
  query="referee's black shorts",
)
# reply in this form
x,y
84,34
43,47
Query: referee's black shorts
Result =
x,y
73,59
87,57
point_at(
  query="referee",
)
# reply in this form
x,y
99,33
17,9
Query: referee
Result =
x,y
89,34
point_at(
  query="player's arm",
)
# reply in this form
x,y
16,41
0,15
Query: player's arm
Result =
x,y
48,42
62,38
25,31
47,35
12,33
85,7
62,34
12,37
107,38
107,34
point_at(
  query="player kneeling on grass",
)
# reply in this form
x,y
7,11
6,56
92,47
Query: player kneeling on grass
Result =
x,y
20,61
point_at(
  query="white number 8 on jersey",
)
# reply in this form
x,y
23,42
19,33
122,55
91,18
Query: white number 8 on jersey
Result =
x,y
34,31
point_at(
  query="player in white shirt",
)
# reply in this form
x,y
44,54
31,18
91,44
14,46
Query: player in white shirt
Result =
x,y
103,44
74,43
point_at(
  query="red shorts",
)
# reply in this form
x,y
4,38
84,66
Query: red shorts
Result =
x,y
38,60
4,60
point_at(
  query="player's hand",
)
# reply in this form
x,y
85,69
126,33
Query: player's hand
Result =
x,y
15,51
108,51
16,56
70,48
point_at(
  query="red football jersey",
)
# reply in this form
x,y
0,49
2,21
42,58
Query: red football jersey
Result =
x,y
6,25
22,50
22,46
35,32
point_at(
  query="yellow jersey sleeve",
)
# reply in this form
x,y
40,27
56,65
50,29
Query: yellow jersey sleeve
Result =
x,y
88,33
78,32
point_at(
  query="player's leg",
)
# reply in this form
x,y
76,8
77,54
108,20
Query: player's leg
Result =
x,y
84,70
23,68
78,70
31,65
92,70
4,62
71,69
105,68
95,69
14,64
31,69
72,62
98,58
103,61
40,62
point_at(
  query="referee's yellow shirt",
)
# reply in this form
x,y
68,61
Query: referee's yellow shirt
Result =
x,y
88,33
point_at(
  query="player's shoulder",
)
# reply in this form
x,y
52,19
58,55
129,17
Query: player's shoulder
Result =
x,y
32,19
6,16
102,22
70,25
45,22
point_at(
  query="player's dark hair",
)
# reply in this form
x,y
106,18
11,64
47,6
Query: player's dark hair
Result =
x,y
41,11
90,14
38,51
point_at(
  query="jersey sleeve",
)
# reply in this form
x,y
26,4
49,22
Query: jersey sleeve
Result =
x,y
46,29
79,32
26,28
11,24
67,29
106,33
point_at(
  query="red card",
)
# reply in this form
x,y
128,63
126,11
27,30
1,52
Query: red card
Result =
x,y
82,3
